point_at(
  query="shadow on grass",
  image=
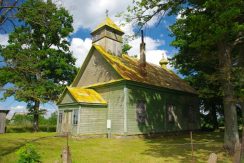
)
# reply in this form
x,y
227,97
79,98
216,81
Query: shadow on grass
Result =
x,y
5,150
178,147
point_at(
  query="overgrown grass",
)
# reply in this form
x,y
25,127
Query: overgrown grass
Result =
x,y
162,149
29,128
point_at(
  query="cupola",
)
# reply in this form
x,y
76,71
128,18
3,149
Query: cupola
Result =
x,y
164,61
109,36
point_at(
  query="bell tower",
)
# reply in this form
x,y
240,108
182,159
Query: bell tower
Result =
x,y
109,36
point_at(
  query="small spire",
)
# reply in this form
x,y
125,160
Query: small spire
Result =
x,y
106,12
142,60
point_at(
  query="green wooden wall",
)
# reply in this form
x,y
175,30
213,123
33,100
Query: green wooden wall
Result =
x,y
156,103
122,99
93,120
114,95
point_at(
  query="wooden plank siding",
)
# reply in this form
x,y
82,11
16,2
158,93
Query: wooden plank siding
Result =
x,y
97,71
93,120
114,95
67,99
156,102
122,99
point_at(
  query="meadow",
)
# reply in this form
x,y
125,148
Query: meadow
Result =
x,y
171,148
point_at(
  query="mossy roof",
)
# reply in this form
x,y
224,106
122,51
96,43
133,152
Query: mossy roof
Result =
x,y
108,22
83,95
128,68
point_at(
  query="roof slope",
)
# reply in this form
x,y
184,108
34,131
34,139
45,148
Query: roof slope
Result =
x,y
83,95
108,22
129,69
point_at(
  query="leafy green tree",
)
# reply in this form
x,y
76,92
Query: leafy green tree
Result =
x,y
37,61
209,37
126,47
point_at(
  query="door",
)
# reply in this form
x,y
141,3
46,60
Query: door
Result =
x,y
67,123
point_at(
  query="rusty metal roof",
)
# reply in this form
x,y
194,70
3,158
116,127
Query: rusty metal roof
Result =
x,y
108,22
128,68
83,95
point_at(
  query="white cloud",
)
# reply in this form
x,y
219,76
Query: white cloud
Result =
x,y
17,109
153,54
88,14
3,39
80,49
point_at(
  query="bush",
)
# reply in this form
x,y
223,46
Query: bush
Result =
x,y
28,154
29,128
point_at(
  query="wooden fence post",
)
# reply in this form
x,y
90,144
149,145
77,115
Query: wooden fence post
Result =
x,y
212,158
192,149
66,155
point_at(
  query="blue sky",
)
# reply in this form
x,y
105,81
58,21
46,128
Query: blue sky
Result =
x,y
87,15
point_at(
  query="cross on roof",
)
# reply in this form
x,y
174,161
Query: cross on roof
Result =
x,y
106,12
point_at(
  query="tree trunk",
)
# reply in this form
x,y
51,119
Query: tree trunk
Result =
x,y
231,128
36,116
242,140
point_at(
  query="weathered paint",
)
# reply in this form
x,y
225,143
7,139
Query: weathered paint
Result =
x,y
97,71
125,109
3,114
114,95
122,98
93,120
156,103
129,68
67,98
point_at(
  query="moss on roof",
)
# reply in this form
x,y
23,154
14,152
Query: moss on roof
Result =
x,y
108,22
83,95
128,68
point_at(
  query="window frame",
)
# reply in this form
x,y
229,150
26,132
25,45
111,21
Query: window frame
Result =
x,y
75,117
60,118
170,117
141,112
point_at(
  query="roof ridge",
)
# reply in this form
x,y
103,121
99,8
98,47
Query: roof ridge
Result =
x,y
128,68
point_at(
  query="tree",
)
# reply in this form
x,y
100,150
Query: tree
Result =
x,y
209,37
126,47
37,61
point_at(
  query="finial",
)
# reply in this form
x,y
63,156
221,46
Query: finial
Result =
x,y
106,12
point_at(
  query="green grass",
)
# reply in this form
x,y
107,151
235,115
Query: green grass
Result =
x,y
162,149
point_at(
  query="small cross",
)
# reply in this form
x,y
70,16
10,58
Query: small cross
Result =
x,y
106,12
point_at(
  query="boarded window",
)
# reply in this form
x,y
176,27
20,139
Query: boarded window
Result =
x,y
60,117
75,117
191,117
141,111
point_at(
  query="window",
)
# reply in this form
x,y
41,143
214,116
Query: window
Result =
x,y
172,116
191,117
75,117
141,111
60,117
170,110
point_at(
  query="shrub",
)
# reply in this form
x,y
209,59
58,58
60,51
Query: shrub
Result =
x,y
29,128
28,154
